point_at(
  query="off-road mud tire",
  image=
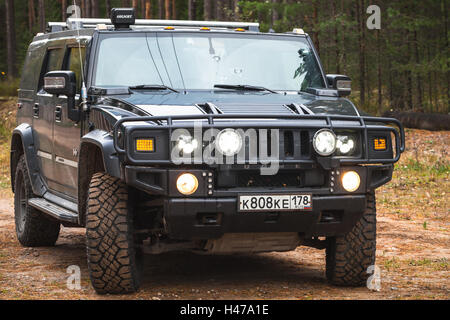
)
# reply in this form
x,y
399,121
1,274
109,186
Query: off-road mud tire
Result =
x,y
113,260
33,228
349,256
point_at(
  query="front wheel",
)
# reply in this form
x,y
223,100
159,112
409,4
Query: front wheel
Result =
x,y
113,261
349,256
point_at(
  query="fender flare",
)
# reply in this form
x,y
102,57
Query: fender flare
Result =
x,y
104,141
97,154
22,136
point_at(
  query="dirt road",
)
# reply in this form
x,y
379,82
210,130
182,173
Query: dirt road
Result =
x,y
413,251
413,262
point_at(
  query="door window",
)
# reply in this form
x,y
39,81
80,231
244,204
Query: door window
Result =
x,y
52,62
75,61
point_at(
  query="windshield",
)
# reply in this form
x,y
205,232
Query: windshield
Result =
x,y
200,61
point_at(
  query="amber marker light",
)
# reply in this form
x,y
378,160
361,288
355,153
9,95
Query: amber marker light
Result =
x,y
379,143
145,145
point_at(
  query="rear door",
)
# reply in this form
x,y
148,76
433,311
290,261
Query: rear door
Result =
x,y
43,112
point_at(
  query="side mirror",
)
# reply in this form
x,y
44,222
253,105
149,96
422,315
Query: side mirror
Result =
x,y
60,82
341,83
63,83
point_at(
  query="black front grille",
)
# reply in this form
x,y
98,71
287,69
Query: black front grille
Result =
x,y
280,180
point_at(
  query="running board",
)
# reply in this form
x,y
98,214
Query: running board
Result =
x,y
54,210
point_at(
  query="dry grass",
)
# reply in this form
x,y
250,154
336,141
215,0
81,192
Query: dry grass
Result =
x,y
420,185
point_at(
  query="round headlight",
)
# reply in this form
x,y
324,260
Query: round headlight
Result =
x,y
345,144
187,144
324,142
351,181
228,142
187,183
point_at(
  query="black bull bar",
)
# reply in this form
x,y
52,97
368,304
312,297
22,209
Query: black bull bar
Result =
x,y
211,121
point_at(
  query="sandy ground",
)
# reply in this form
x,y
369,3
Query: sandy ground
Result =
x,y
413,250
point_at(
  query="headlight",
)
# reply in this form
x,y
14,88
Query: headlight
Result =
x,y
187,144
324,142
345,144
228,142
351,181
187,183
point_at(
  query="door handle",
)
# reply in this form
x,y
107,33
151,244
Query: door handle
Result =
x,y
58,113
36,110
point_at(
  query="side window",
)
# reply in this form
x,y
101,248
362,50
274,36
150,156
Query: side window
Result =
x,y
73,63
52,62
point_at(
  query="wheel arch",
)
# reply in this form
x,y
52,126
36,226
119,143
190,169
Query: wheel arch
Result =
x,y
97,154
22,143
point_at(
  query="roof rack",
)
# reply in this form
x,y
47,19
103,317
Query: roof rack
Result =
x,y
73,23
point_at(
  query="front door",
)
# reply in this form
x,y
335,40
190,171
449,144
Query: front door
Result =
x,y
67,133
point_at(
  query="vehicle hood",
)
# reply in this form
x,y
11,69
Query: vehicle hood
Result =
x,y
235,102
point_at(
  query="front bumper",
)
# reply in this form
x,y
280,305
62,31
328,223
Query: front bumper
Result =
x,y
206,218
210,213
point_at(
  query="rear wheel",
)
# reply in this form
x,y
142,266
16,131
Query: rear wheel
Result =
x,y
349,256
33,228
113,261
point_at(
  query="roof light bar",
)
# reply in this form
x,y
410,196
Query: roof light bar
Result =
x,y
73,23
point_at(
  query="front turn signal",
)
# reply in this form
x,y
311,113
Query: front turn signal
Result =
x,y
145,145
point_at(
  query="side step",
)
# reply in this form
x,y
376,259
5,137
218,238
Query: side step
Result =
x,y
54,210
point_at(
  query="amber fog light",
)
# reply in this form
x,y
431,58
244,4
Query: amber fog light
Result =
x,y
187,183
351,181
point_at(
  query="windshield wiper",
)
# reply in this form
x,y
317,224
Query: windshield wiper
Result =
x,y
152,87
243,87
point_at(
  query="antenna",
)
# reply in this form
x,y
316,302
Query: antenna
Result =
x,y
83,85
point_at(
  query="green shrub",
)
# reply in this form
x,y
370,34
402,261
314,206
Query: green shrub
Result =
x,y
8,88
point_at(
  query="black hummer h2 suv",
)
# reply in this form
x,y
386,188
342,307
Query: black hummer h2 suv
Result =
x,y
210,137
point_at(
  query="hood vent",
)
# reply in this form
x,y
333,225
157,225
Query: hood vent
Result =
x,y
254,109
209,108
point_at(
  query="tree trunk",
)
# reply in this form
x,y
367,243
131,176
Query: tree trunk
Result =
x,y
161,9
134,4
316,28
275,15
220,10
108,8
343,32
31,15
235,8
446,48
336,42
362,69
87,5
207,10
191,10
167,7
95,9
174,10
64,10
10,39
148,11
379,73
41,16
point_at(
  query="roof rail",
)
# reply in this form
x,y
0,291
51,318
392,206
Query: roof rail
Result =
x,y
93,22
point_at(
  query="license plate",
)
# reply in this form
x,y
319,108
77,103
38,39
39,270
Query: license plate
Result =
x,y
291,202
